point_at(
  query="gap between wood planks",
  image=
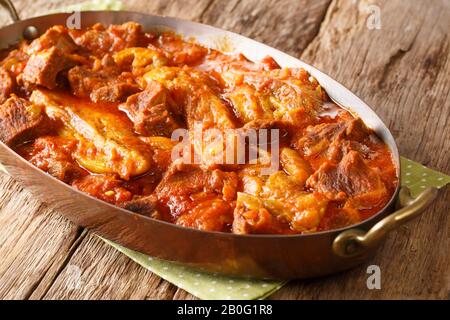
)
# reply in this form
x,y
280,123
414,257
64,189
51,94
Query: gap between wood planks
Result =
x,y
81,234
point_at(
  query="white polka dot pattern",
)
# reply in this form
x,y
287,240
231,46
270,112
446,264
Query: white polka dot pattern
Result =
x,y
418,177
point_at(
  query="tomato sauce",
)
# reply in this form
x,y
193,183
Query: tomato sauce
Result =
x,y
96,108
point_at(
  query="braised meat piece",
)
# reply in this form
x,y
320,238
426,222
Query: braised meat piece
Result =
x,y
43,67
197,94
107,84
106,142
325,140
101,40
188,179
20,120
6,84
339,148
100,87
83,80
48,56
180,52
57,37
54,155
350,178
198,198
152,111
115,91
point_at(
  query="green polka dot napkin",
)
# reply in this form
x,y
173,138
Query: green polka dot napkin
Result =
x,y
203,285
214,286
417,177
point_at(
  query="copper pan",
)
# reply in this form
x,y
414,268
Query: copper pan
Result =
x,y
258,256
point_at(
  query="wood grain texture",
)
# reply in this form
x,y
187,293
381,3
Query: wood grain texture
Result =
x,y
401,70
34,241
286,24
98,271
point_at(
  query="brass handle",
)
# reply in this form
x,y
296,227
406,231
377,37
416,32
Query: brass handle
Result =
x,y
11,9
355,242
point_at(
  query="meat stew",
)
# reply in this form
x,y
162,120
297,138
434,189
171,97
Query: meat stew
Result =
x,y
97,109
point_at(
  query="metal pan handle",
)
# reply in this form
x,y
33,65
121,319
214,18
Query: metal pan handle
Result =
x,y
355,242
30,32
11,9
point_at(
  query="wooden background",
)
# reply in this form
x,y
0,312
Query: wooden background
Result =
x,y
401,70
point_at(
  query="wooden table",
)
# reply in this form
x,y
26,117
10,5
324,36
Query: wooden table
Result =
x,y
402,70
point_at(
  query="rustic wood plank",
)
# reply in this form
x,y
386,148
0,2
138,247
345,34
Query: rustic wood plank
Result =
x,y
98,271
289,25
205,11
186,9
46,268
402,72
33,240
376,64
190,9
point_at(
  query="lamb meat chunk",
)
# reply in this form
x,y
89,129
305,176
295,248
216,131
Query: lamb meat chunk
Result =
x,y
54,156
57,37
339,148
181,52
83,81
99,40
327,180
151,111
115,91
197,95
43,67
185,186
317,138
20,120
188,179
6,84
319,142
350,178
105,85
356,130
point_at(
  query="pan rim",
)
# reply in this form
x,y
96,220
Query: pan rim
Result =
x,y
392,145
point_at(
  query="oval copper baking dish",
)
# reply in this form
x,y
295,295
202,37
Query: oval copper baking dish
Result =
x,y
260,256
